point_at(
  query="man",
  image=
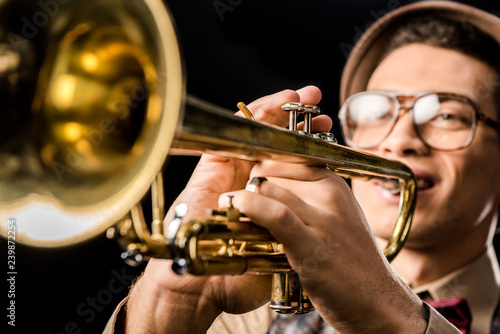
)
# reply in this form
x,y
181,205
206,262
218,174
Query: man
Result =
x,y
415,96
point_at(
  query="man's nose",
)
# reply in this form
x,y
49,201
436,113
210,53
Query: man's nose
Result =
x,y
403,140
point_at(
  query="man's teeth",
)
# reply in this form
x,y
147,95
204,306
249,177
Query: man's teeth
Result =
x,y
394,188
391,186
423,184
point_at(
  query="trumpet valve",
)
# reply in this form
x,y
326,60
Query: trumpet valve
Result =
x,y
294,108
288,296
309,111
326,136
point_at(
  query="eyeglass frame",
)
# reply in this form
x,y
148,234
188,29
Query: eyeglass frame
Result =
x,y
395,96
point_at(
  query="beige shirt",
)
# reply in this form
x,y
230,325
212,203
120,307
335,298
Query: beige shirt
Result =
x,y
478,282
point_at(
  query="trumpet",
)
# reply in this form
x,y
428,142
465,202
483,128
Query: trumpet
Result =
x,y
229,243
102,86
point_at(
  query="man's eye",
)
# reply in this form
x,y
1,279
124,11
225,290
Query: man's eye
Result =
x,y
451,120
448,117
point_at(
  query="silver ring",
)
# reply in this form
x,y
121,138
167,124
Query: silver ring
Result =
x,y
254,184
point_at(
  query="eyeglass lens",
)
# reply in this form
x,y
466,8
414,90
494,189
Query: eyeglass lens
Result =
x,y
442,121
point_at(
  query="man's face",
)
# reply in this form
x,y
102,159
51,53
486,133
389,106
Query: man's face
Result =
x,y
458,191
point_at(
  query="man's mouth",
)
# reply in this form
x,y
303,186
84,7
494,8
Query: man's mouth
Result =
x,y
393,187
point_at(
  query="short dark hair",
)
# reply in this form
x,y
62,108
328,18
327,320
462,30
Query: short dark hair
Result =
x,y
446,33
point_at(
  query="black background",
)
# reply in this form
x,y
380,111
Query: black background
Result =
x,y
234,50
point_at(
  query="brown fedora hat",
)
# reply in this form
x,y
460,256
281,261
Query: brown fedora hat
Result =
x,y
368,51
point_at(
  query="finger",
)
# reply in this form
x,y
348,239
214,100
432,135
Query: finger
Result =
x,y
309,95
283,223
291,171
290,194
321,123
267,109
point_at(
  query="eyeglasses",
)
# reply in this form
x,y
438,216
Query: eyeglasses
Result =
x,y
443,121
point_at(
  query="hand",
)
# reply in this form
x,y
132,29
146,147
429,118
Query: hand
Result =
x,y
163,300
329,244
215,175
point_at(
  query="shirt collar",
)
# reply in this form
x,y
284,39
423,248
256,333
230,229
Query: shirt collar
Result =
x,y
478,282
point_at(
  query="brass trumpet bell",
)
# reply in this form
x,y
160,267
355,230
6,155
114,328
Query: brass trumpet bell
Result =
x,y
100,87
